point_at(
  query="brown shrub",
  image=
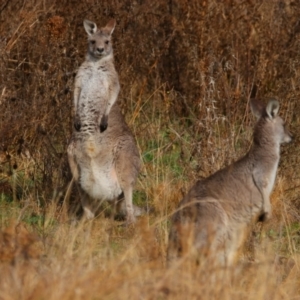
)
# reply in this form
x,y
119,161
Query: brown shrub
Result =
x,y
188,68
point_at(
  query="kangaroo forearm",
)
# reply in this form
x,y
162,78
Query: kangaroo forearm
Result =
x,y
112,98
77,91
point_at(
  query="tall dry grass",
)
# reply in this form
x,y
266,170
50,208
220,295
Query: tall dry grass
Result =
x,y
187,71
99,260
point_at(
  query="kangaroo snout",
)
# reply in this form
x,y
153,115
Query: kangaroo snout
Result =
x,y
100,50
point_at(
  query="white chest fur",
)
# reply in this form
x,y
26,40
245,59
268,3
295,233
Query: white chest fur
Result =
x,y
94,83
101,182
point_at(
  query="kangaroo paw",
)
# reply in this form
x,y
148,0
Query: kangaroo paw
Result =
x,y
103,123
265,216
77,125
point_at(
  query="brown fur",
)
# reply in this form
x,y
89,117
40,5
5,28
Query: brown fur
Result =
x,y
102,153
219,209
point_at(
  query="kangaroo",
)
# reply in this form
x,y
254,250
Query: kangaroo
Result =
x,y
103,156
215,214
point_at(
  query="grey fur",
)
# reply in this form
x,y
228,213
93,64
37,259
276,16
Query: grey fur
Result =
x,y
102,153
216,213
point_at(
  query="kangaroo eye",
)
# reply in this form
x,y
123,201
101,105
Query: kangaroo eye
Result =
x,y
92,42
106,42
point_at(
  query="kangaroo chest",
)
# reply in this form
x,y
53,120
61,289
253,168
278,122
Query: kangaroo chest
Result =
x,y
95,86
95,83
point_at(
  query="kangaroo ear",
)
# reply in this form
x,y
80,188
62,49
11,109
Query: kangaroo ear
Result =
x,y
90,27
257,107
110,26
272,108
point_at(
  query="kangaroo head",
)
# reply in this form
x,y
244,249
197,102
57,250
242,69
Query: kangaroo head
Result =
x,y
270,126
99,39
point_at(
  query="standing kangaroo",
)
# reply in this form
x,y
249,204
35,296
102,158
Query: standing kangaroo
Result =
x,y
102,153
217,211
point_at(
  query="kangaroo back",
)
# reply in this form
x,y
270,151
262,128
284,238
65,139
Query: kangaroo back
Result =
x,y
218,210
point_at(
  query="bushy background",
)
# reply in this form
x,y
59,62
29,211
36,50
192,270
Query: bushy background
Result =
x,y
187,71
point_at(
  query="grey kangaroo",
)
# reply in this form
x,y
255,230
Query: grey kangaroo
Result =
x,y
102,153
217,211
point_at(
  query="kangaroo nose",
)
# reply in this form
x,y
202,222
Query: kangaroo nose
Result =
x,y
100,50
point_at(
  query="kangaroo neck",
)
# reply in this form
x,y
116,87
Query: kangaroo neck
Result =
x,y
102,61
266,148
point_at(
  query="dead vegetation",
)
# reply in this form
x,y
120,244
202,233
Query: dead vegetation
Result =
x,y
187,71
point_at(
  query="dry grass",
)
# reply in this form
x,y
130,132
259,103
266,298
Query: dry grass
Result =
x,y
100,260
187,71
